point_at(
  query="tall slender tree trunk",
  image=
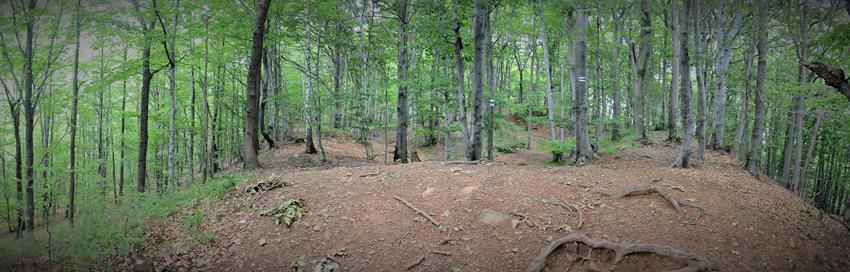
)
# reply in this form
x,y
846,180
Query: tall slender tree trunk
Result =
x,y
673,113
252,107
800,189
75,85
701,78
123,129
206,158
615,70
758,122
740,145
798,185
172,109
29,118
308,114
685,69
550,102
144,101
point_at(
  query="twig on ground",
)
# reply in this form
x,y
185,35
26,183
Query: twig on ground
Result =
x,y
695,262
417,262
444,253
461,162
377,172
421,212
570,207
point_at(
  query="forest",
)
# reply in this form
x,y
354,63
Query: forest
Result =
x,y
125,124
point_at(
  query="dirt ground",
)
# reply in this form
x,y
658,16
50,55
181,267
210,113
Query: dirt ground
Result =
x,y
353,218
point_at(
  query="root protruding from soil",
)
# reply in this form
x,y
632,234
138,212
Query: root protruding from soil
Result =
x,y
694,262
652,188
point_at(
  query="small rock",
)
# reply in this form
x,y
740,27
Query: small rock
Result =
x,y
491,217
514,250
469,189
262,242
735,224
243,221
791,244
428,192
317,228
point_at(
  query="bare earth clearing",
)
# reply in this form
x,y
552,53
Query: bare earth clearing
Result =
x,y
353,217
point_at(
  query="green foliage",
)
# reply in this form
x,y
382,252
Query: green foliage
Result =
x,y
105,228
557,146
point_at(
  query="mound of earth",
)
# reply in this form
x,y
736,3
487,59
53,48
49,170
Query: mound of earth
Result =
x,y
500,215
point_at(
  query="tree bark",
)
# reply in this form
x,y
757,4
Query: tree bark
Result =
x,y
615,70
640,60
29,119
701,78
758,122
583,151
403,17
832,76
75,85
252,104
550,102
459,67
479,21
798,186
685,69
813,138
725,39
673,113
741,129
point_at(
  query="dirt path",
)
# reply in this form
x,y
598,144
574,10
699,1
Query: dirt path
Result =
x,y
748,225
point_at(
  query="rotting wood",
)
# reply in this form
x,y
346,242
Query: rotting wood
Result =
x,y
421,212
695,262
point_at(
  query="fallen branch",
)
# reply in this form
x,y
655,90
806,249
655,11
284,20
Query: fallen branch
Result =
x,y
570,207
695,262
421,212
370,174
832,76
417,262
444,253
461,162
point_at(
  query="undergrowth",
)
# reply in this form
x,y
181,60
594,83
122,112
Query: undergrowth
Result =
x,y
103,228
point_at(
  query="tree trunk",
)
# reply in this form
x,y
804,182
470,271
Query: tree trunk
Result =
x,y
252,106
813,138
583,151
75,85
144,102
459,67
206,159
615,70
673,113
798,185
400,153
29,119
758,122
701,78
479,21
491,86
724,55
308,115
685,69
640,60
740,144
550,102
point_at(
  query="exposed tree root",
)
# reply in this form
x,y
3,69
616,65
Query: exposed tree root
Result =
x,y
695,262
421,212
377,172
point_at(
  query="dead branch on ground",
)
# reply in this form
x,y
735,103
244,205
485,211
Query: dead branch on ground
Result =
x,y
421,212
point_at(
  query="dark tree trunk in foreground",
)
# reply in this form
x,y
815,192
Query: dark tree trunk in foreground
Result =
x,y
758,122
29,120
480,18
685,70
144,100
403,63
252,107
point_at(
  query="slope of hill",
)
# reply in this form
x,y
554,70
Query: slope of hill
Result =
x,y
498,216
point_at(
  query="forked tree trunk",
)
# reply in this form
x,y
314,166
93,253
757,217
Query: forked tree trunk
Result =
x,y
640,60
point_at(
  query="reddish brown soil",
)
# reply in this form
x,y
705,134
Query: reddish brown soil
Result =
x,y
748,225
